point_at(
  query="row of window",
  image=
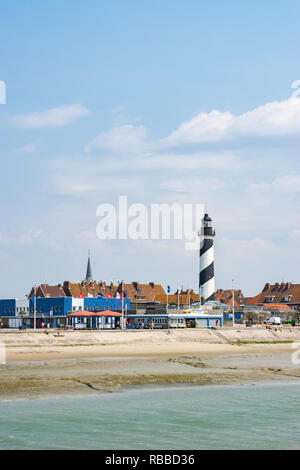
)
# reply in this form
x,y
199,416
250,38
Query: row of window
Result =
x,y
83,320
286,298
90,309
20,309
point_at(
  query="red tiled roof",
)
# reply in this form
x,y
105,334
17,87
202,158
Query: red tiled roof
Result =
x,y
277,306
253,300
44,290
277,294
225,296
135,291
86,313
184,299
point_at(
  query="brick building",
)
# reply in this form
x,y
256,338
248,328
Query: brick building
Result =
x,y
284,293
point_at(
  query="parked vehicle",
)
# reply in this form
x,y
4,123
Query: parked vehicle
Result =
x,y
80,326
191,323
273,321
176,323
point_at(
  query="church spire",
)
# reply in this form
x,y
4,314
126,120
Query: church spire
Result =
x,y
89,276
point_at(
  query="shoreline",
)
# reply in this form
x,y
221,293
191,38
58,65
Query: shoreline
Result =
x,y
153,387
41,365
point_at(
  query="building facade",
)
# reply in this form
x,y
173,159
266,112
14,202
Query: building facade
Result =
x,y
284,293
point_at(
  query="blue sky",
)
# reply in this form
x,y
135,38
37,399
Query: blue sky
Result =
x,y
162,101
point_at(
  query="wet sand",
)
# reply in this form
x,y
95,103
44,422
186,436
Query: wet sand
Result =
x,y
97,362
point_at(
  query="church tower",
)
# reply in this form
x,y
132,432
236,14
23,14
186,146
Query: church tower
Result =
x,y
89,276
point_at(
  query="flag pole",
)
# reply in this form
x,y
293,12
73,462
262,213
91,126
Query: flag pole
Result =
x,y
34,309
232,302
122,306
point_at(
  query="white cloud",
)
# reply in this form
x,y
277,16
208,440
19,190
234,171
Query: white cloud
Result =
x,y
56,117
247,249
186,184
271,119
26,238
295,234
288,184
192,161
27,149
127,138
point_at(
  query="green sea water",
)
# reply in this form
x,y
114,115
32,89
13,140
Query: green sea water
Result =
x,y
264,416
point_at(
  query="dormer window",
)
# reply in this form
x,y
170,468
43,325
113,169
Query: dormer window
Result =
x,y
270,298
287,298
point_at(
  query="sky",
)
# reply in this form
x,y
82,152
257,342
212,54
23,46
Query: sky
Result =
x,y
170,102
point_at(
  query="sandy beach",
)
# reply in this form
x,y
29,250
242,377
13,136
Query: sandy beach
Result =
x,y
40,364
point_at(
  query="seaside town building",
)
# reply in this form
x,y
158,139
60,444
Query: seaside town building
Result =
x,y
226,297
278,296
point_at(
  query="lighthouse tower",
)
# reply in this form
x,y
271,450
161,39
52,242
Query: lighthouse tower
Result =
x,y
207,272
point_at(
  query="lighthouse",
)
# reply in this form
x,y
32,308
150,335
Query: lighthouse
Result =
x,y
207,271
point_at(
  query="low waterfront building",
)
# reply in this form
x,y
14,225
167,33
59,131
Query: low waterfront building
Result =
x,y
13,311
105,320
53,310
193,319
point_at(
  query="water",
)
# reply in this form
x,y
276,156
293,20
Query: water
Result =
x,y
192,417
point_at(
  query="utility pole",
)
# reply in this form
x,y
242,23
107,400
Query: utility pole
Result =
x,y
167,300
122,306
34,309
232,302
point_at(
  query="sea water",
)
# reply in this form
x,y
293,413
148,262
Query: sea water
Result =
x,y
172,417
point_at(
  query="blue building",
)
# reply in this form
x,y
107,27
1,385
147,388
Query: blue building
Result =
x,y
53,310
97,304
49,306
13,307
